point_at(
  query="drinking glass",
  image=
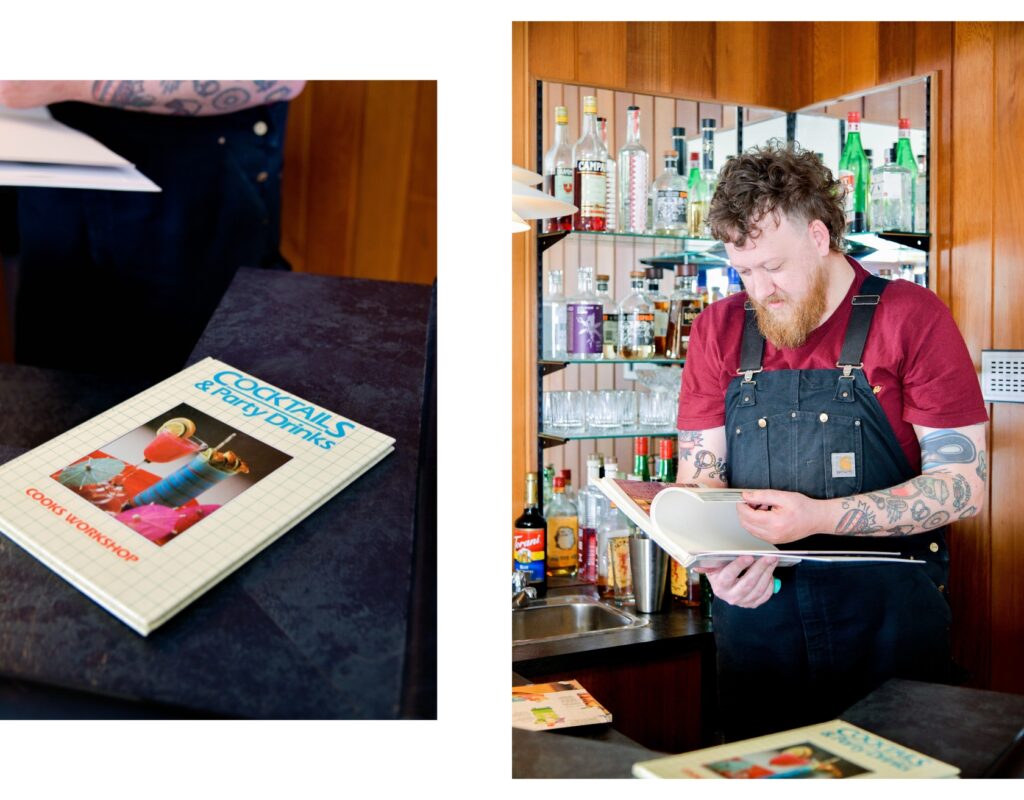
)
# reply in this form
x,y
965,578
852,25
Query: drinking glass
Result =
x,y
604,409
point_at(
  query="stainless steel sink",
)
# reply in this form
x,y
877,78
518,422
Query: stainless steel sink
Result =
x,y
569,616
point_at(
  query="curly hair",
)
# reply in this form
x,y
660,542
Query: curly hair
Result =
x,y
771,179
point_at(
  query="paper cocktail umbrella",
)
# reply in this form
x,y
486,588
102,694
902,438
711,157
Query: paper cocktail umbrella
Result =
x,y
90,471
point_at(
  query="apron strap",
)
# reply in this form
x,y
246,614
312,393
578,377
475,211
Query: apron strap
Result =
x,y
752,348
864,305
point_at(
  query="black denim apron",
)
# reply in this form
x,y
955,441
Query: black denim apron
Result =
x,y
834,631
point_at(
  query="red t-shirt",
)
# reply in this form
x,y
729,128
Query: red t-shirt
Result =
x,y
914,352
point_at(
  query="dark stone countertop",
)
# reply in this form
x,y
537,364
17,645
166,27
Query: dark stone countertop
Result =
x,y
316,626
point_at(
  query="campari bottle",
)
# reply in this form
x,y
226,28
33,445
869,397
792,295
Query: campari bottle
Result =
x,y
558,171
589,180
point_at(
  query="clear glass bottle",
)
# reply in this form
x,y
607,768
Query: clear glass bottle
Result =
x,y
890,196
698,199
553,323
589,179
612,526
558,171
684,306
905,158
562,532
610,318
611,198
636,321
660,303
584,319
591,505
921,197
854,174
669,199
633,177
708,173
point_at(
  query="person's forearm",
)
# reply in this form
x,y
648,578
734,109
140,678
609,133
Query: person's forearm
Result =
x,y
190,98
698,461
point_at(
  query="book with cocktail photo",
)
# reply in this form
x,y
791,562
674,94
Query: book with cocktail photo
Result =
x,y
148,505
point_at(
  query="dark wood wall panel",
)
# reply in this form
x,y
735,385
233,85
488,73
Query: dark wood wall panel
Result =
x,y
359,194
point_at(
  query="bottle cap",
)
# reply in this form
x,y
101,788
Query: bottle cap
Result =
x,y
671,154
892,153
567,474
708,123
632,108
590,104
654,273
636,274
686,270
904,124
640,446
561,115
676,132
665,448
559,483
602,279
853,116
694,156
595,458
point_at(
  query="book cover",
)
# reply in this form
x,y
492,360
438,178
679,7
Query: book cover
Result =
x,y
833,749
148,505
563,704
698,525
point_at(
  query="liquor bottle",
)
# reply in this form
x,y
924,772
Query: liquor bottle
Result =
x,y
554,318
660,303
528,539
641,464
591,506
869,154
612,526
669,200
885,274
611,467
890,195
633,177
584,319
905,158
665,464
854,175
611,196
548,489
636,321
570,493
563,530
708,173
698,199
921,197
558,171
684,306
589,185
734,283
716,294
610,318
702,287
679,143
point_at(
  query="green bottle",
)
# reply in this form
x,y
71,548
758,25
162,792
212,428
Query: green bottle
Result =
x,y
905,158
854,174
697,189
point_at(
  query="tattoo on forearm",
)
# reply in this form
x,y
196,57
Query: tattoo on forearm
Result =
x,y
970,512
936,519
283,93
857,520
689,441
184,108
932,488
893,506
920,511
946,447
706,461
982,469
262,86
206,88
121,94
231,99
961,492
170,87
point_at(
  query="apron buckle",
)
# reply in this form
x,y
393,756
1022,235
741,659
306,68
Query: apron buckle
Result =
x,y
848,368
748,374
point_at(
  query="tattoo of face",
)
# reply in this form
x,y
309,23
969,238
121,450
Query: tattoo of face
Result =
x,y
920,511
857,520
206,88
121,94
933,488
961,492
183,108
936,519
946,447
279,94
970,512
982,469
230,99
689,441
170,87
707,461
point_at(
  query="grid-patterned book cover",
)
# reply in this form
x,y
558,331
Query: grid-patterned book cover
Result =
x,y
146,506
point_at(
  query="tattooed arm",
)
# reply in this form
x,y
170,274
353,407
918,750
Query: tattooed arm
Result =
x,y
702,457
951,487
182,98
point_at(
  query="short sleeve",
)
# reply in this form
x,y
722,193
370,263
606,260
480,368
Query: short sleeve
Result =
x,y
702,398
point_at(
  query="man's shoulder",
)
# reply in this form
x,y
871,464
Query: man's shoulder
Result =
x,y
906,301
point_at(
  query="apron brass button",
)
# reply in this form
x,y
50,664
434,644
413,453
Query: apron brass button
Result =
x,y
738,431
934,547
260,128
846,394
823,417
762,423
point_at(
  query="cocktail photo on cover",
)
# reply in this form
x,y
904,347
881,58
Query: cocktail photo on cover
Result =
x,y
170,473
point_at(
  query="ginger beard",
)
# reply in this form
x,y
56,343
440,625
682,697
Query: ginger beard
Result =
x,y
788,326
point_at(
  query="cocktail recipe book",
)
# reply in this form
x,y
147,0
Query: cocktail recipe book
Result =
x,y
148,505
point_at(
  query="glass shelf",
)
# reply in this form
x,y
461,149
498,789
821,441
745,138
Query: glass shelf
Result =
x,y
557,436
548,365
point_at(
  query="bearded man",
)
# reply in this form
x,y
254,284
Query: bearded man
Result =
x,y
850,408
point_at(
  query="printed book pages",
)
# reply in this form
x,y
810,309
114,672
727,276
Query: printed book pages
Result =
x,y
148,505
564,704
698,526
833,749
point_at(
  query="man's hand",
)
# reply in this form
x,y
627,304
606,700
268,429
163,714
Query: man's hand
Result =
x,y
746,582
780,517
30,94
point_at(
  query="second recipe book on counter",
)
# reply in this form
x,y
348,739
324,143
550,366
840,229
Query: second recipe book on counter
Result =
x,y
148,505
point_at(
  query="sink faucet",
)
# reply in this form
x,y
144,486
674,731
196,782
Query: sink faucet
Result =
x,y
522,593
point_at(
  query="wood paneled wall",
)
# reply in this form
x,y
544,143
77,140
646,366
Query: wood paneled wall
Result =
x,y
977,208
359,194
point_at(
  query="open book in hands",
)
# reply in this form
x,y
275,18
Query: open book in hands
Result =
x,y
698,525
